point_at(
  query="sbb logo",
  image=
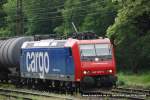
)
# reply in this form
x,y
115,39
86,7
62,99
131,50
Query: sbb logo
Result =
x,y
37,62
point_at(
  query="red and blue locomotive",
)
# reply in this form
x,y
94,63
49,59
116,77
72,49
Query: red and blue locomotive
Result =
x,y
75,62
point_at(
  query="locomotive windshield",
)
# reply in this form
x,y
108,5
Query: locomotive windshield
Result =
x,y
87,50
95,50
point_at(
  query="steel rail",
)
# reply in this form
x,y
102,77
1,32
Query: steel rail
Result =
x,y
132,90
15,96
113,94
8,92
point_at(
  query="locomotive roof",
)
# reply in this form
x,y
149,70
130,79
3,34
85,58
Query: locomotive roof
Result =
x,y
49,43
101,40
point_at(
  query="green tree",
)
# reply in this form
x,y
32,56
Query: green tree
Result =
x,y
131,34
88,15
41,16
10,9
71,13
103,16
2,13
2,18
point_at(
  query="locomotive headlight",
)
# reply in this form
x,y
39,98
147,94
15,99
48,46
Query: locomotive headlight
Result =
x,y
84,72
110,71
96,59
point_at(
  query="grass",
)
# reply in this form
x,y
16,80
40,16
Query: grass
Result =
x,y
134,80
3,97
4,85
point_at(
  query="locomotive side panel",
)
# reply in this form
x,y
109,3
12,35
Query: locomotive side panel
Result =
x,y
47,63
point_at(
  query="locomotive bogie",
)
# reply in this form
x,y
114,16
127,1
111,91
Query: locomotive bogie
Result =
x,y
99,81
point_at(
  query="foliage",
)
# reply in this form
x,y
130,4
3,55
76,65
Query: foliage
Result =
x,y
2,14
4,32
103,16
131,33
41,16
88,15
10,9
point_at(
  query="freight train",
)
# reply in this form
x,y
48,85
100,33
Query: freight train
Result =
x,y
58,63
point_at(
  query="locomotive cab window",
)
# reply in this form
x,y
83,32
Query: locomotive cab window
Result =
x,y
90,51
103,50
87,50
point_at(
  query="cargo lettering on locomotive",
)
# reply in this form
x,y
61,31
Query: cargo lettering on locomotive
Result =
x,y
38,62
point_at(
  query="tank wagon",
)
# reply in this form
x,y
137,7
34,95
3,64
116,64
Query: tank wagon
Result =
x,y
10,55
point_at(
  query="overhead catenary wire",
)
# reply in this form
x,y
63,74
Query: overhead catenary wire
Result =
x,y
61,17
55,7
56,12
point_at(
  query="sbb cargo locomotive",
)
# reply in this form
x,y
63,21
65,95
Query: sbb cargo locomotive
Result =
x,y
68,62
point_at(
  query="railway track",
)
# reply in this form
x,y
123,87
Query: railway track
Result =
x,y
145,92
31,95
115,93
124,93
